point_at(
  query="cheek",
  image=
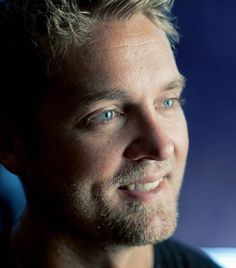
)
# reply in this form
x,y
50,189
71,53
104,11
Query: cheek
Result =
x,y
183,148
179,136
95,158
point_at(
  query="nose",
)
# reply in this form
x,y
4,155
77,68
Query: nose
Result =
x,y
151,140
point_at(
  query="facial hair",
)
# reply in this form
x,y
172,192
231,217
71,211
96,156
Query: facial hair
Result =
x,y
132,222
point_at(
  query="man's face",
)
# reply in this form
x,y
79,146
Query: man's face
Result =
x,y
113,137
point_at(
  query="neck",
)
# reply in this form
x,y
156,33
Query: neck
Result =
x,y
35,245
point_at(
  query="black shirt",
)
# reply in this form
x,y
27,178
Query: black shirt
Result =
x,y
173,254
169,254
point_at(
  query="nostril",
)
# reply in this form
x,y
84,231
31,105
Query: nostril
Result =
x,y
157,149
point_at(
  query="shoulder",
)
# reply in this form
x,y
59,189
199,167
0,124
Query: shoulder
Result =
x,y
173,254
6,257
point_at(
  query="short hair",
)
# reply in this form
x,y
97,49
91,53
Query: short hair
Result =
x,y
72,21
36,33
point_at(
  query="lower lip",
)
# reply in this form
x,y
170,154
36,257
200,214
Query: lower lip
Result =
x,y
145,196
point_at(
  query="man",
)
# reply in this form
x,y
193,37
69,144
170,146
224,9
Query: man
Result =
x,y
96,133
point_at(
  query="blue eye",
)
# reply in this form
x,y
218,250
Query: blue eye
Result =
x,y
169,103
106,116
103,117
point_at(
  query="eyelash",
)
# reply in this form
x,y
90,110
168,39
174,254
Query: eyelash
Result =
x,y
180,101
94,120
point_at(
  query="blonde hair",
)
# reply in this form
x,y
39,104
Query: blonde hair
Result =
x,y
68,22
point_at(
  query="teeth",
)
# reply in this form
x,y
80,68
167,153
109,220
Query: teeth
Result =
x,y
144,187
131,187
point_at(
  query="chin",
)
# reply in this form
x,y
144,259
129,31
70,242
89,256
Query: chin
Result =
x,y
156,232
142,227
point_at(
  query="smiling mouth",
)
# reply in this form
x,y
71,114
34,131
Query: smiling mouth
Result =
x,y
142,187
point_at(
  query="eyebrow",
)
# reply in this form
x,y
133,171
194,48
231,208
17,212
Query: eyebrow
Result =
x,y
121,94
105,94
178,83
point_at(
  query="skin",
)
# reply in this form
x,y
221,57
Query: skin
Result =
x,y
91,146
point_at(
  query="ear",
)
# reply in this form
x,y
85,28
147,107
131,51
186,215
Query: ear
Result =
x,y
12,149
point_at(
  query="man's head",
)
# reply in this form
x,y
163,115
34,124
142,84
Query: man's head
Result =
x,y
111,135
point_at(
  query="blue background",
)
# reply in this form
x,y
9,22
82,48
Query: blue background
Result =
x,y
206,56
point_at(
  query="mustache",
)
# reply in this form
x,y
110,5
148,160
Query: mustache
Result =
x,y
134,171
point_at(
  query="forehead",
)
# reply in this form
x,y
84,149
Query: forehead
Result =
x,y
135,31
133,54
121,39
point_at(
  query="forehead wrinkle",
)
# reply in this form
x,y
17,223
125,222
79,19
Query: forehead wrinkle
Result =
x,y
146,44
139,39
131,33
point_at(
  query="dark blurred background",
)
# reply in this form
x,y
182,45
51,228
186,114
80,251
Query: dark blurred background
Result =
x,y
207,57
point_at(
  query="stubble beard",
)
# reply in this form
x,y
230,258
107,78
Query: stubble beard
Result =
x,y
123,221
114,221
137,224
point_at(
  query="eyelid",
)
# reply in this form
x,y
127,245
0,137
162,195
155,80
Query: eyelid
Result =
x,y
167,96
179,100
91,111
93,117
88,119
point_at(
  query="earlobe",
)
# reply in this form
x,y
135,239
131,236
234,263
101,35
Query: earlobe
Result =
x,y
12,152
10,163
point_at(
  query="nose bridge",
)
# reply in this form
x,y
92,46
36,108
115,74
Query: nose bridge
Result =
x,y
152,138
155,130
